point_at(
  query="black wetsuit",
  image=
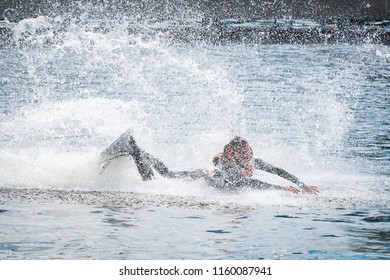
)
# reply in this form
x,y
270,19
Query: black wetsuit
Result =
x,y
226,177
163,170
222,177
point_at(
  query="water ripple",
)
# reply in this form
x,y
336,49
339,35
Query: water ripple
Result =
x,y
377,219
218,231
25,246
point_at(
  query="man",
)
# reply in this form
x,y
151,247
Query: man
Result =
x,y
233,167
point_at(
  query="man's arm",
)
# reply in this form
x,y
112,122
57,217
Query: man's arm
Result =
x,y
262,165
242,181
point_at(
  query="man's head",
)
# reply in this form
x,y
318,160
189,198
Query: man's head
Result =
x,y
238,150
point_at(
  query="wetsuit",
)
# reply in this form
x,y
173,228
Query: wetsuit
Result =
x,y
163,170
227,177
233,167
222,177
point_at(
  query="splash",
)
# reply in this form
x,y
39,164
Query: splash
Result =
x,y
85,88
78,84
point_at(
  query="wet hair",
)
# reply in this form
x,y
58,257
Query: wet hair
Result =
x,y
235,145
238,142
236,154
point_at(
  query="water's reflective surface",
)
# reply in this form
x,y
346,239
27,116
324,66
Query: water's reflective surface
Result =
x,y
50,230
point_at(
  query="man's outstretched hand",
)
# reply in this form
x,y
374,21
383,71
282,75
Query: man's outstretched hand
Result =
x,y
306,188
291,189
310,189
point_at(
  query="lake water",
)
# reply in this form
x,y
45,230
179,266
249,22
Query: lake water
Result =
x,y
319,111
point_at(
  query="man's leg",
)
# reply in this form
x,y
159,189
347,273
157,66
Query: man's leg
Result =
x,y
142,165
163,170
143,160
